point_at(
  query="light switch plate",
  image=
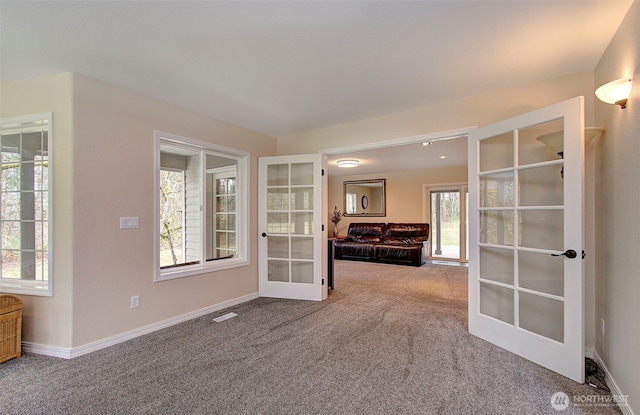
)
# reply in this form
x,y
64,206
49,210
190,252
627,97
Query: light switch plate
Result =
x,y
129,222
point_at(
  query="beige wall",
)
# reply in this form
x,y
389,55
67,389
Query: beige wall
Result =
x,y
403,193
618,213
104,169
47,320
470,111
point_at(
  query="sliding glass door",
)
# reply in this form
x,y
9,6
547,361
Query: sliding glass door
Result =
x,y
448,219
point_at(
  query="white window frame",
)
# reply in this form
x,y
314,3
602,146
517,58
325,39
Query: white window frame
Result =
x,y
351,203
183,212
224,173
242,208
35,287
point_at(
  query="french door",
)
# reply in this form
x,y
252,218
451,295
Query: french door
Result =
x,y
526,236
292,244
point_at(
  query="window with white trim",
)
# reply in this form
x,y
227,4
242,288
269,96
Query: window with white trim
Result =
x,y
25,205
202,207
222,183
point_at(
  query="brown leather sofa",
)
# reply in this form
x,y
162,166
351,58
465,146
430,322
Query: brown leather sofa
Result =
x,y
394,243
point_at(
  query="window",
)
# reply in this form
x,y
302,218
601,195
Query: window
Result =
x,y
351,203
222,183
172,184
202,207
25,205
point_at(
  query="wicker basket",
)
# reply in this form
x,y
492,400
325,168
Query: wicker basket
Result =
x,y
10,327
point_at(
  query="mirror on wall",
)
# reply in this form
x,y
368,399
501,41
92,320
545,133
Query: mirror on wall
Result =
x,y
365,197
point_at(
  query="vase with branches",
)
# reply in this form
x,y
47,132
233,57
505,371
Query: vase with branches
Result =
x,y
335,217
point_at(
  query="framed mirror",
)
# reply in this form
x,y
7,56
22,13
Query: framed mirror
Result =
x,y
365,197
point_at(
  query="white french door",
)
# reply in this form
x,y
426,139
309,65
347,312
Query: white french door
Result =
x,y
292,245
526,236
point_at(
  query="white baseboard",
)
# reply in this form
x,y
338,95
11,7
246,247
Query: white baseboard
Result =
x,y
70,353
611,383
42,349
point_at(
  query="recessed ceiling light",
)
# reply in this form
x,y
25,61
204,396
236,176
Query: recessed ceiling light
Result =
x,y
426,143
442,157
347,163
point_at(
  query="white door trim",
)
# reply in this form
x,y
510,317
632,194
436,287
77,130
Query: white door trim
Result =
x,y
437,136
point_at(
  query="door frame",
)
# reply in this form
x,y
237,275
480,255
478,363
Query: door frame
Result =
x,y
426,215
414,139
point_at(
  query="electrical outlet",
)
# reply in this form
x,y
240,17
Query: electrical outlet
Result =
x,y
602,327
135,301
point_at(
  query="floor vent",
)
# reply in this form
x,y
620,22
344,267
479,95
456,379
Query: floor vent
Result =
x,y
224,317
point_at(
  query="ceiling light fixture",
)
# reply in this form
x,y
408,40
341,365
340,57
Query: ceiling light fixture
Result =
x,y
615,92
442,157
347,163
426,143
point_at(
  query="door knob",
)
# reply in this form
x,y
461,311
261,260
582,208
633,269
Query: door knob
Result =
x,y
569,253
264,234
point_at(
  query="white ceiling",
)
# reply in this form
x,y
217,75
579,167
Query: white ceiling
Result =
x,y
283,67
438,154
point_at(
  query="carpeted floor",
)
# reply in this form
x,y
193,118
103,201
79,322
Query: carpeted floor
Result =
x,y
389,340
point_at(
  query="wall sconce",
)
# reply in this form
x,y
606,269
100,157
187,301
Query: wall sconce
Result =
x,y
555,140
615,92
347,163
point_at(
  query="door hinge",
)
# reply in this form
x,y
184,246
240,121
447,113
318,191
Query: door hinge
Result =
x,y
323,281
323,172
323,227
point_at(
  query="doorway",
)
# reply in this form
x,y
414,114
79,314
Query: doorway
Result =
x,y
449,222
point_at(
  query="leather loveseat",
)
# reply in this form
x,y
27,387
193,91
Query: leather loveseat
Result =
x,y
395,243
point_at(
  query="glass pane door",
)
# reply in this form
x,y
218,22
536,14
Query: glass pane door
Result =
x,y
525,273
521,220
290,222
291,227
